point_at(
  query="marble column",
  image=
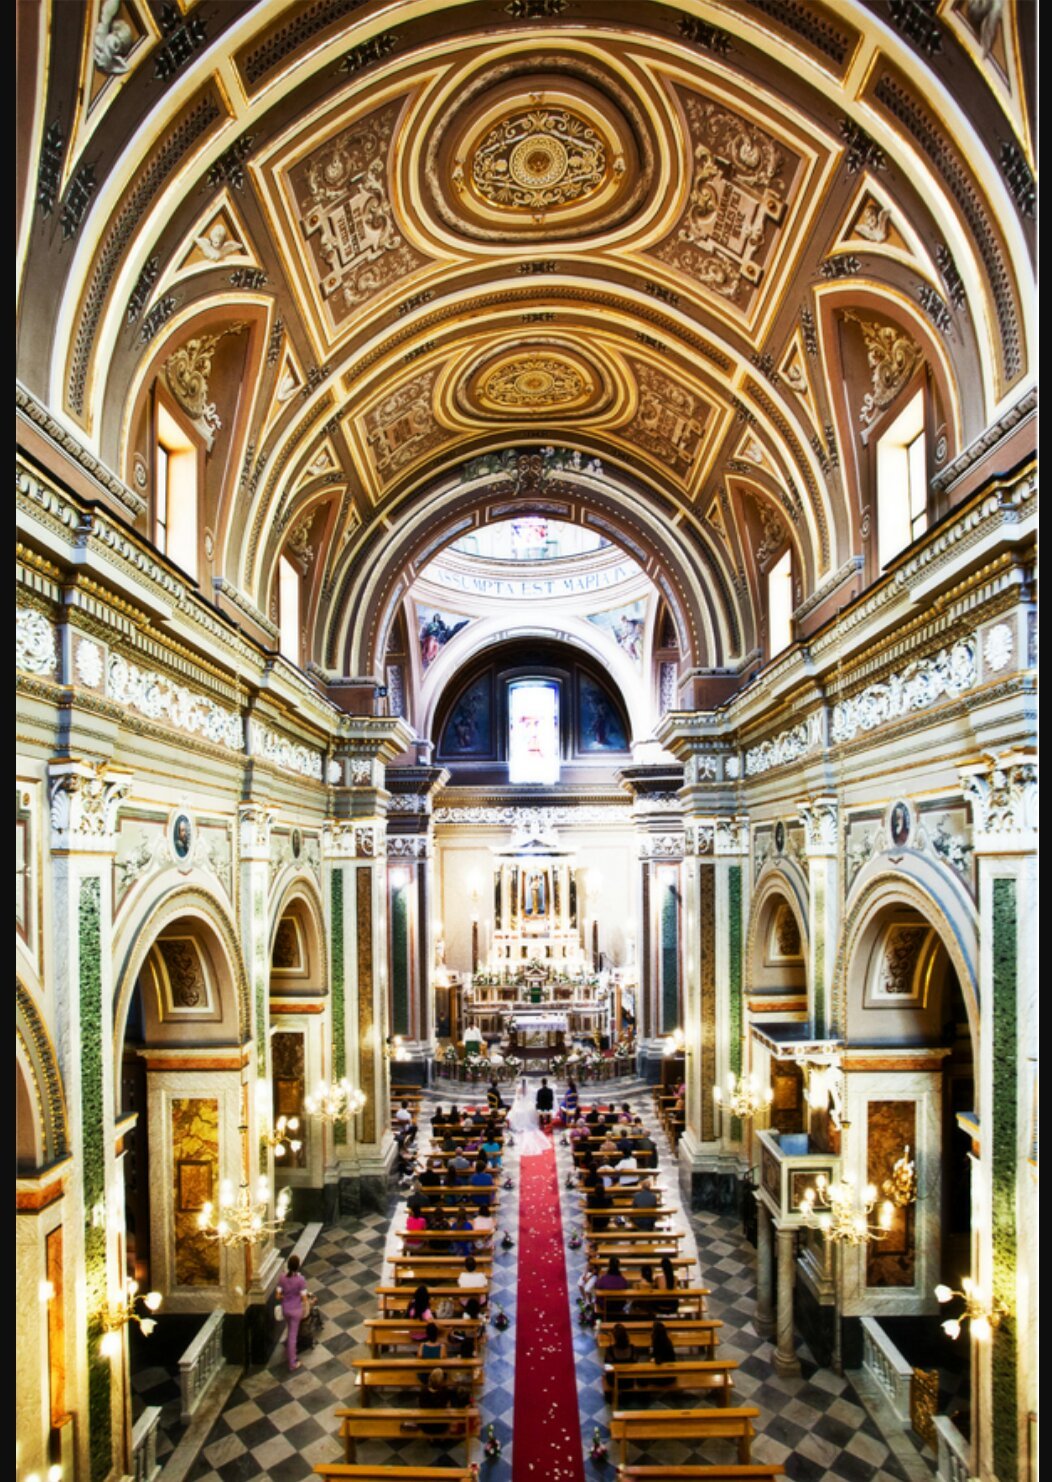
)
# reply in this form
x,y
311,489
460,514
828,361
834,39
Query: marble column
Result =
x,y
786,1362
657,818
765,1323
821,838
255,823
354,851
410,854
1003,796
85,798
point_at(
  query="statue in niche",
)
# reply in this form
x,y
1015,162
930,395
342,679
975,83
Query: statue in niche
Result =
x,y
536,894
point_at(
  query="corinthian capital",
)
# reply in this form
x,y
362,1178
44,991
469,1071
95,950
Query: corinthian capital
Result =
x,y
254,825
819,816
1003,794
85,798
732,836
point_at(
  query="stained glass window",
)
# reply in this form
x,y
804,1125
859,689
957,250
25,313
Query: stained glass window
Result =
x,y
533,731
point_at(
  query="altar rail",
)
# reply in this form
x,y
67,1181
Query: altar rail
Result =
x,y
954,1452
145,1466
201,1363
887,1366
604,1070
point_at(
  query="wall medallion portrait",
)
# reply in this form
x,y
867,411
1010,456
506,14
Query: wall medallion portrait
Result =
x,y
182,836
297,843
899,824
779,837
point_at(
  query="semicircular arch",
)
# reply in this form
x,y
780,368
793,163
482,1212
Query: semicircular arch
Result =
x,y
779,887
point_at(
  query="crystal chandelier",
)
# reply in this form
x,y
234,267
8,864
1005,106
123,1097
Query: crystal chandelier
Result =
x,y
675,1043
335,1103
901,1187
984,1317
244,1220
118,1318
841,1211
741,1098
280,1140
395,1048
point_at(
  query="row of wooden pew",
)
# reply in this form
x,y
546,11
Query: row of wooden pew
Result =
x,y
391,1362
697,1369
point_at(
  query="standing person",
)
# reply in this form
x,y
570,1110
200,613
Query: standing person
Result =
x,y
524,1121
545,1101
292,1288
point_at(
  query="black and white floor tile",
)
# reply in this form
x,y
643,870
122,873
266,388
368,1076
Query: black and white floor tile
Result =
x,y
279,1425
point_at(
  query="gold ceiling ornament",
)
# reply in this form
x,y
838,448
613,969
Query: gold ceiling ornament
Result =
x,y
892,357
540,159
536,381
187,371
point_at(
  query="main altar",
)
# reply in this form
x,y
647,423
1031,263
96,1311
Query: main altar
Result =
x,y
540,987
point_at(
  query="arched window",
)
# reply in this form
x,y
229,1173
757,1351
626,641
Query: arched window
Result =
x,y
902,485
780,603
289,610
533,731
175,472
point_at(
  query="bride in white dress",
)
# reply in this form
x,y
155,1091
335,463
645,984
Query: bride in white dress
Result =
x,y
524,1122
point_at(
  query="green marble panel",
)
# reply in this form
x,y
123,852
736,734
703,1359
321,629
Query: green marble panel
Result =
x,y
734,974
339,989
93,1131
669,958
400,960
1004,1113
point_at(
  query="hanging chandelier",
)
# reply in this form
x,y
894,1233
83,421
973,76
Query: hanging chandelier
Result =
x,y
984,1316
675,1043
335,1103
394,1049
901,1187
841,1211
119,1316
741,1098
244,1220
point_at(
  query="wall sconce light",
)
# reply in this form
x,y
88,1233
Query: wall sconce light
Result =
x,y
675,1043
984,1317
279,1139
118,1318
395,1049
901,1187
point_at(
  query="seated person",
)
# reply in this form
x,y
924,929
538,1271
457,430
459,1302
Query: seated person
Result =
x,y
432,1347
460,1164
662,1350
462,1247
403,1116
597,1201
644,1198
414,1222
481,1180
612,1280
621,1351
492,1147
625,1115
434,1396
432,1176
628,1171
593,1116
473,1282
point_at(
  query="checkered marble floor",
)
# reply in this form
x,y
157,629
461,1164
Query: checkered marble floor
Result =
x,y
279,1425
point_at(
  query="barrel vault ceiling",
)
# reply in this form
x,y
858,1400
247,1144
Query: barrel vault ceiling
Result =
x,y
384,255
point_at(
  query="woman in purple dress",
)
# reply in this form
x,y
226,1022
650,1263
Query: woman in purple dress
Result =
x,y
290,1290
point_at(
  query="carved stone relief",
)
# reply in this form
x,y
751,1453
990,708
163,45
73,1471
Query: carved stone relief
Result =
x,y
948,674
185,973
402,427
670,421
739,192
892,357
186,372
35,648
346,218
896,977
538,159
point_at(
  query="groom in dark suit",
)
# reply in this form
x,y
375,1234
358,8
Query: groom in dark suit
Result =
x,y
545,1100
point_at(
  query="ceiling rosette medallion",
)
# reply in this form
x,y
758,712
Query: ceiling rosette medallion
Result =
x,y
546,378
551,146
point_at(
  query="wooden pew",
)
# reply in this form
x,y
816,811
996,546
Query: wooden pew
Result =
x,y
395,1332
665,1241
394,1299
687,1374
414,1240
414,1269
632,1258
685,1333
689,1300
637,1426
405,1373
389,1425
333,1471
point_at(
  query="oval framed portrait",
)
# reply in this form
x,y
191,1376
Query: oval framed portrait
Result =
x,y
297,843
900,822
779,837
182,836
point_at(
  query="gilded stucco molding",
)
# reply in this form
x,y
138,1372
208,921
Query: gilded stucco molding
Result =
x,y
28,406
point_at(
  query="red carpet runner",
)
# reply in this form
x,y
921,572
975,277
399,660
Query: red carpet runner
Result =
x,y
546,1442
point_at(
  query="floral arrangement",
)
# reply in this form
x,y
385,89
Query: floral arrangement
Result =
x,y
449,1054
513,1064
501,1320
571,1181
575,1241
506,1241
559,1064
508,1183
585,1313
598,1451
493,1448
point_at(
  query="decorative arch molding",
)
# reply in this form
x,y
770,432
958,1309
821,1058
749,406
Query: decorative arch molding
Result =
x,y
138,938
778,885
485,633
292,886
45,1078
682,559
931,891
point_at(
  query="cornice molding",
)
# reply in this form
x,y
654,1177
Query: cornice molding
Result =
x,y
63,440
986,442
237,597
